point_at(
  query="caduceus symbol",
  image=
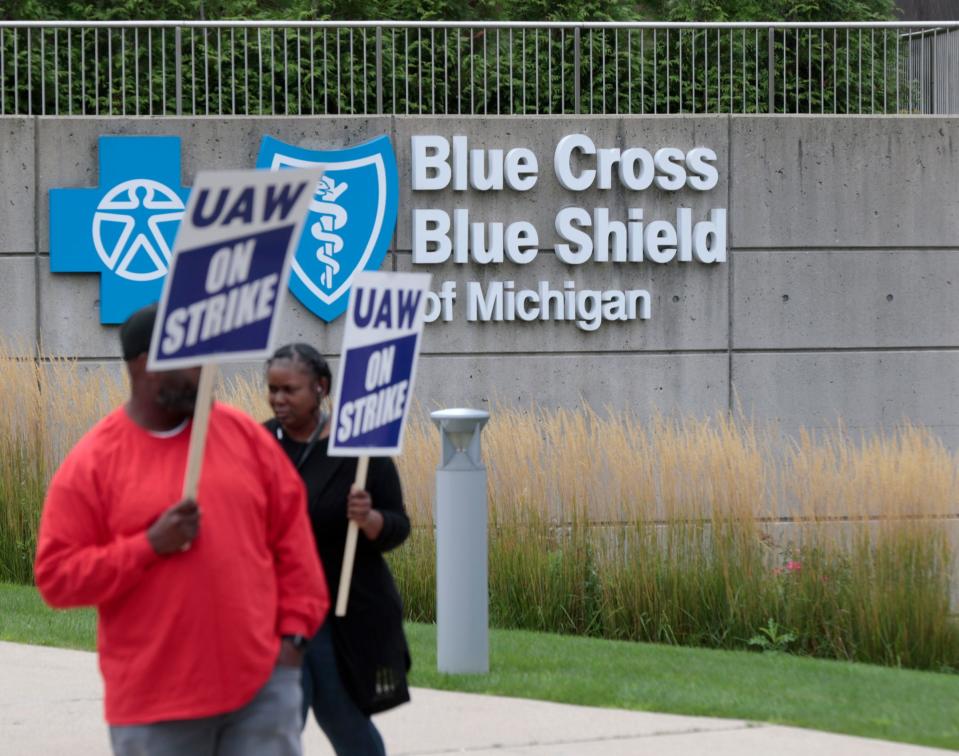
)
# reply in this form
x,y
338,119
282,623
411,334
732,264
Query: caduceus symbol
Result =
x,y
332,218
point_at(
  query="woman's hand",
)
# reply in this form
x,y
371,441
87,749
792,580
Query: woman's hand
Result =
x,y
359,508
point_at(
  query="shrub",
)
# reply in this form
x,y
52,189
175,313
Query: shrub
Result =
x,y
702,531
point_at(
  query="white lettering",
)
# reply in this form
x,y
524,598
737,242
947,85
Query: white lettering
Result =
x,y
588,308
379,369
486,176
266,295
704,176
669,163
431,227
522,242
371,412
627,169
431,171
660,241
565,220
484,243
173,339
521,169
217,272
229,266
715,229
562,162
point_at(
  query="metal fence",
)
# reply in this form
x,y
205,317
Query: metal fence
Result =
x,y
300,68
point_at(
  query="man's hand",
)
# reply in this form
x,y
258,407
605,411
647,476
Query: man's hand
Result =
x,y
359,508
176,528
290,655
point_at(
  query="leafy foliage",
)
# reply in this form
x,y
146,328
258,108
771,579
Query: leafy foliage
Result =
x,y
455,10
771,637
774,10
351,70
666,531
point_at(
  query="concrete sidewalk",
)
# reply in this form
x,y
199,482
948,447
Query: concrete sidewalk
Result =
x,y
51,703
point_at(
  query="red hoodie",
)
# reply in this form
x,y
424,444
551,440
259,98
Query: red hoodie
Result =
x,y
197,633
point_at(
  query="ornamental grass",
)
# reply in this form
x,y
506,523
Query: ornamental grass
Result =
x,y
713,531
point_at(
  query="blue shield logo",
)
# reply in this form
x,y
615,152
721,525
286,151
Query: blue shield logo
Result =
x,y
351,219
123,229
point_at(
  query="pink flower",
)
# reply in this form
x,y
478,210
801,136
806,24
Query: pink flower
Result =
x,y
792,566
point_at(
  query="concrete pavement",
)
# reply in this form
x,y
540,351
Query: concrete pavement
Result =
x,y
51,703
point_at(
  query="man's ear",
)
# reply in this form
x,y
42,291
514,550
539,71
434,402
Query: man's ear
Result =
x,y
137,366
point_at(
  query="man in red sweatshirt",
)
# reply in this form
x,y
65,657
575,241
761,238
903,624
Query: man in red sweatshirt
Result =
x,y
204,606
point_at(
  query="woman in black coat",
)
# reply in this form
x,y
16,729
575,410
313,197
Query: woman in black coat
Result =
x,y
355,665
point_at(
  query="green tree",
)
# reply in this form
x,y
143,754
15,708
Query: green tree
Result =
x,y
456,10
462,70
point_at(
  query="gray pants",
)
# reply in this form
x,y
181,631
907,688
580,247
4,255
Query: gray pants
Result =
x,y
267,726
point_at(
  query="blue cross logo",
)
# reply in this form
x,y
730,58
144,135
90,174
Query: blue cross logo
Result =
x,y
123,229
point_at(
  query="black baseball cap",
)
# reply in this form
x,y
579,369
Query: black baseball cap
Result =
x,y
136,332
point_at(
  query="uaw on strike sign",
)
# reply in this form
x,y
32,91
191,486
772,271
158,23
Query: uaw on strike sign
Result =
x,y
230,267
381,344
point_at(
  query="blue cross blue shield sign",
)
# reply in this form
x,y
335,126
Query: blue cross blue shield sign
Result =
x,y
381,344
230,266
124,228
351,219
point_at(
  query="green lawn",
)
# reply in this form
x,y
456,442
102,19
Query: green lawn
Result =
x,y
856,699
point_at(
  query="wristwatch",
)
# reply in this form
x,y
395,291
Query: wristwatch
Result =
x,y
300,642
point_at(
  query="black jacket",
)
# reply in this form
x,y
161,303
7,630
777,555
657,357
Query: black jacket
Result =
x,y
371,649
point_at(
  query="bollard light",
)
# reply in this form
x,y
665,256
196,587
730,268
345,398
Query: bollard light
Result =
x,y
462,593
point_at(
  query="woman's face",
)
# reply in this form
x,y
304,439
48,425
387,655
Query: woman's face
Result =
x,y
294,395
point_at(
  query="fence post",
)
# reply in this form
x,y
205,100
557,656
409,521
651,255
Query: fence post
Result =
x,y
576,66
379,70
178,67
934,84
771,68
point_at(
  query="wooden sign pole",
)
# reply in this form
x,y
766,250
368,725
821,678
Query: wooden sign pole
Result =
x,y
352,533
201,421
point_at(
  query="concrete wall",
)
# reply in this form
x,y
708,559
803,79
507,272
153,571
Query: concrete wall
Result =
x,y
839,300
